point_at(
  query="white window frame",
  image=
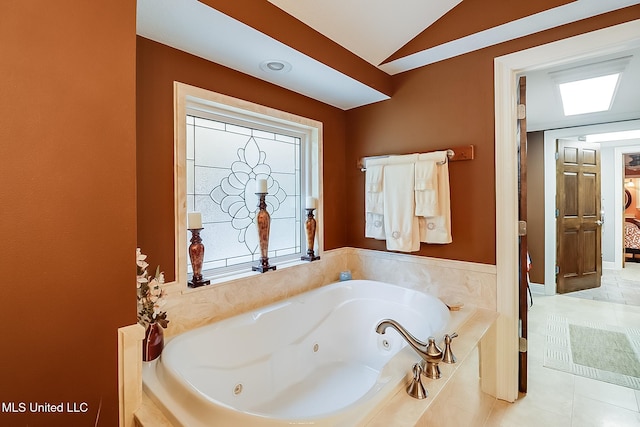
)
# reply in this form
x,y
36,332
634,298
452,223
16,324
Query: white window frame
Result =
x,y
186,99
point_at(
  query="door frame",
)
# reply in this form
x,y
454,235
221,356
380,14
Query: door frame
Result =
x,y
611,218
506,68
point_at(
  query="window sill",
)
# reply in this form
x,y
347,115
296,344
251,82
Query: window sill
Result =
x,y
228,278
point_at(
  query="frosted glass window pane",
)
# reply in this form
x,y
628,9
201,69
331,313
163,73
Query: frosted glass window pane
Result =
x,y
281,156
288,182
281,237
206,178
286,251
208,123
210,210
190,202
262,134
217,148
190,180
238,129
221,183
190,137
286,138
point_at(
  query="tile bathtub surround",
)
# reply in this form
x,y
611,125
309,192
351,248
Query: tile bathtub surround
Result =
x,y
452,281
190,308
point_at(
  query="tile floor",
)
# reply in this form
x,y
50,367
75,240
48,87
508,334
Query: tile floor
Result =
x,y
619,286
558,399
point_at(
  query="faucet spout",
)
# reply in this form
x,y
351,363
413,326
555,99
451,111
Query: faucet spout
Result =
x,y
419,346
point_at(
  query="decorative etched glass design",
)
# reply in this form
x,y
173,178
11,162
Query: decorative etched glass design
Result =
x,y
224,161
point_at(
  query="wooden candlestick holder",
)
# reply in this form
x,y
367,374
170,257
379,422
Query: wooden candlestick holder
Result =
x,y
310,228
263,220
196,254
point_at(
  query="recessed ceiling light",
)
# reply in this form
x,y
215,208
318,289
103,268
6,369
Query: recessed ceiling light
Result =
x,y
275,66
614,136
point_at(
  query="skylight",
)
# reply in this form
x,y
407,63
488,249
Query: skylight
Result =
x,y
588,95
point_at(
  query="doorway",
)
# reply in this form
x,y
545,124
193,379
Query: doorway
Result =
x,y
612,190
505,70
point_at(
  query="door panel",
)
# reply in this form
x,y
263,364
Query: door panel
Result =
x,y
579,230
571,194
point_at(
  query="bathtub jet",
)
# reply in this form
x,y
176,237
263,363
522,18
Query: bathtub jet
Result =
x,y
314,359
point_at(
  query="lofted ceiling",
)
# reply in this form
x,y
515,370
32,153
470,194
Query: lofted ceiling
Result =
x,y
344,52
373,30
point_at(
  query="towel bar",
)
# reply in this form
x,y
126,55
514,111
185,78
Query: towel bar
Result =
x,y
465,152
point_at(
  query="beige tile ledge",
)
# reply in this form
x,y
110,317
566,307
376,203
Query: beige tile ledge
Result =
x,y
453,280
149,415
427,261
404,411
450,280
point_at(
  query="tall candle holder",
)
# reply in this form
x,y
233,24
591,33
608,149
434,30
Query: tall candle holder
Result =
x,y
264,222
196,254
310,227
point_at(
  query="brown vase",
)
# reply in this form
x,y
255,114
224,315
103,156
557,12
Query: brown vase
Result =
x,y
153,342
263,220
196,254
310,226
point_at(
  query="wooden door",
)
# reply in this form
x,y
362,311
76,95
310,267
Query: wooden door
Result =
x,y
522,216
579,222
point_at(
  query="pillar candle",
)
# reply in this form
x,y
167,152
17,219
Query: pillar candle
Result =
x,y
311,203
261,186
194,220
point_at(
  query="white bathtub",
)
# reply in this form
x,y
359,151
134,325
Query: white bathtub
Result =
x,y
314,359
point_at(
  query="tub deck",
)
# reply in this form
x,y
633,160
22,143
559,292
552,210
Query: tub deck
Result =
x,y
404,411
471,323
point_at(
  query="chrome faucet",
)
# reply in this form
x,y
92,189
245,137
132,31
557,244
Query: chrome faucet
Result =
x,y
429,352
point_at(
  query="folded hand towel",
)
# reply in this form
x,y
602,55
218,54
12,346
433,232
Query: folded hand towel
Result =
x,y
437,228
400,223
374,199
374,226
426,186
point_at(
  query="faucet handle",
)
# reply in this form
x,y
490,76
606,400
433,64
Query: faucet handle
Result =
x,y
415,388
433,351
433,354
448,356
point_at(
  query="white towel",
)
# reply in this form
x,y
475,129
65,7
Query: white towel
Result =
x,y
437,229
426,188
400,223
374,200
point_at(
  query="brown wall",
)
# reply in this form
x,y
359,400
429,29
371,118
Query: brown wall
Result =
x,y
67,222
446,104
158,67
535,204
435,107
